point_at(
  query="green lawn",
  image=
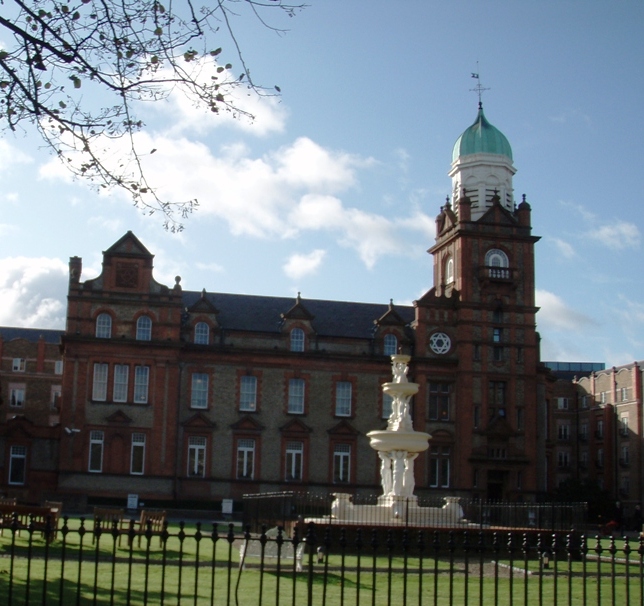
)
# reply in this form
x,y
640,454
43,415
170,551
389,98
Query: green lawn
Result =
x,y
109,573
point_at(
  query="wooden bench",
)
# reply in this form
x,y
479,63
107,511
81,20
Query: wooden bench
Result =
x,y
152,523
26,517
108,518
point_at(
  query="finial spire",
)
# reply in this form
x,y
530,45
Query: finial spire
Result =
x,y
479,88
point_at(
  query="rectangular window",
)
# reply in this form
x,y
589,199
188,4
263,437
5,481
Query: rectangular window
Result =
x,y
583,432
599,432
387,405
624,394
583,461
498,354
17,394
196,456
121,372
54,396
296,396
623,426
563,460
138,454
343,399
99,386
439,466
584,401
58,367
245,459
341,463
563,431
600,457
497,335
95,452
17,464
248,393
562,403
439,400
625,459
294,459
141,382
520,419
19,365
199,391
496,394
603,397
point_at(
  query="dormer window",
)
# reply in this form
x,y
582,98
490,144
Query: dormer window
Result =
x,y
449,270
103,326
297,339
497,263
390,345
202,333
144,329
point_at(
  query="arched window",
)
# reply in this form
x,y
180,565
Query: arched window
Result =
x,y
104,326
144,329
390,345
202,333
297,339
497,263
449,270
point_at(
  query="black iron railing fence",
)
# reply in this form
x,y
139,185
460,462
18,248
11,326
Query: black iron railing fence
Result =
x,y
285,508
83,562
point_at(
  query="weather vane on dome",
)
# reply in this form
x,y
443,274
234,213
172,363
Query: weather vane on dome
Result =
x,y
479,88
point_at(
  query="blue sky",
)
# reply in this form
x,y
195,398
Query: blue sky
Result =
x,y
332,191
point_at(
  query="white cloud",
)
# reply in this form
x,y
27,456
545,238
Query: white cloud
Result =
x,y
11,155
33,292
564,248
299,265
556,315
255,114
618,236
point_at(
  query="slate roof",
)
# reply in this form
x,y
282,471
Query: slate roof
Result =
x,y
30,334
330,318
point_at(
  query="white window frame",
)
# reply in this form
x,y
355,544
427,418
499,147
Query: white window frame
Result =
x,y
96,447
294,457
390,344
343,396
144,328
562,403
563,431
19,365
624,394
449,270
120,387
296,392
137,454
563,459
58,367
202,333
103,326
197,456
245,459
17,394
623,425
99,382
439,466
248,393
342,463
55,394
17,457
141,384
297,339
199,390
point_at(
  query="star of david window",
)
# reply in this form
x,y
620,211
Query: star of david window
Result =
x,y
440,343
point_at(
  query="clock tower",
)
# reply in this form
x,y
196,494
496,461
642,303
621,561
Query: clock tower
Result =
x,y
477,349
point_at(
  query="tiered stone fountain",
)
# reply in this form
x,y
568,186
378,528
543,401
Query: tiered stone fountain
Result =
x,y
398,446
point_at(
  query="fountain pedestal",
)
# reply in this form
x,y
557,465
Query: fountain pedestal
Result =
x,y
397,446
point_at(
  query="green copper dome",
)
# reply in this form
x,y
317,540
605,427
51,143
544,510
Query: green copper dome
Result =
x,y
481,138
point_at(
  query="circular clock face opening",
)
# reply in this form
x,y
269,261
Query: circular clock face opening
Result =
x,y
440,343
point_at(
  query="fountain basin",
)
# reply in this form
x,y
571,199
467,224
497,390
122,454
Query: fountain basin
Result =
x,y
409,441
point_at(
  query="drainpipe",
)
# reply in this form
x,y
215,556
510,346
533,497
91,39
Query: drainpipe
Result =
x,y
179,449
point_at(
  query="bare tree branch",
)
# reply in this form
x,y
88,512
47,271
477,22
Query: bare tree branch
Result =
x,y
59,57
